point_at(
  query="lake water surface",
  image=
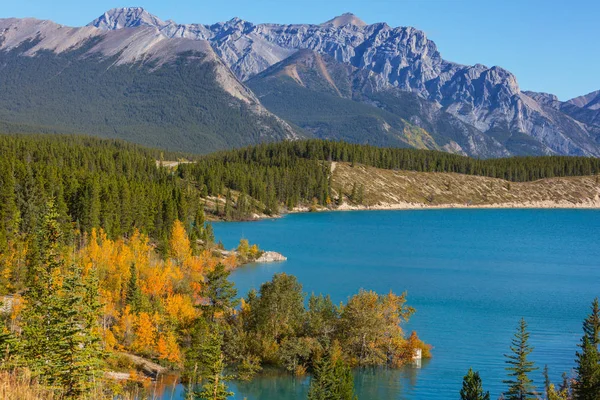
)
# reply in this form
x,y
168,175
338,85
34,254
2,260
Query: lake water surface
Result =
x,y
470,274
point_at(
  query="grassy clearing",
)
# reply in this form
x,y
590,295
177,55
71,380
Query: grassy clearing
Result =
x,y
383,187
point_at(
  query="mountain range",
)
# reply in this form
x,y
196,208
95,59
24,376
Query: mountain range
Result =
x,y
194,87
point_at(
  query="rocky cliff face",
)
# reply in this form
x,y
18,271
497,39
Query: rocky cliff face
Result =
x,y
585,110
422,99
471,98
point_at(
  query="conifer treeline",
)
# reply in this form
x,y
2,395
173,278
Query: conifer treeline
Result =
x,y
95,183
517,169
120,188
270,174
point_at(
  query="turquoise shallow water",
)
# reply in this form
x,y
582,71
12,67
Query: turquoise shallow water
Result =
x,y
471,275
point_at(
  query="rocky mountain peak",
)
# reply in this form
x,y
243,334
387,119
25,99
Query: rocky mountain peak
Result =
x,y
547,99
126,17
235,24
590,101
479,103
345,19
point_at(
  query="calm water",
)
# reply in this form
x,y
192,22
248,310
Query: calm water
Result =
x,y
471,275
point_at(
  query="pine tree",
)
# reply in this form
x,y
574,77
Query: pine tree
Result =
x,y
60,344
520,386
587,382
40,321
133,295
472,388
9,349
332,379
79,349
9,212
361,194
209,236
219,292
212,367
228,205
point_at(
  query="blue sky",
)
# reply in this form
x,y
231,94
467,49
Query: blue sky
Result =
x,y
551,46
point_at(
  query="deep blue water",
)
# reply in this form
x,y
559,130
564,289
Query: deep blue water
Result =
x,y
471,275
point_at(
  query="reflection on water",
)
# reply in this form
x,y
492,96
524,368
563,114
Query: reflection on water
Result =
x,y
370,383
386,384
273,385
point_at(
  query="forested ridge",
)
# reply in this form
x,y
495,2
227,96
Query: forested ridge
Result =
x,y
179,105
516,169
296,173
121,187
95,183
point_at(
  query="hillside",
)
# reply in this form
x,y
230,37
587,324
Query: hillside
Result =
x,y
323,97
132,84
394,189
123,188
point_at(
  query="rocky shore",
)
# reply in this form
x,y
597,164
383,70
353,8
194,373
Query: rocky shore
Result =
x,y
592,204
271,256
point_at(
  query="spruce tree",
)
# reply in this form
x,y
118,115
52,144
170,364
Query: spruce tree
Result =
x,y
9,349
79,349
60,344
41,332
547,381
209,236
331,380
520,386
587,382
198,228
218,206
219,291
344,389
228,205
361,194
242,206
340,198
9,212
133,296
212,368
472,388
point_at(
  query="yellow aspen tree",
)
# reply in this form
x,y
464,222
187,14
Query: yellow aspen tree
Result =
x,y
145,333
181,250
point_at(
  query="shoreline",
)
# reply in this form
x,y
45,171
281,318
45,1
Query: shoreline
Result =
x,y
406,206
544,204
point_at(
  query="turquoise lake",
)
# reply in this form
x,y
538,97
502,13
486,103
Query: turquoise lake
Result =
x,y
470,274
